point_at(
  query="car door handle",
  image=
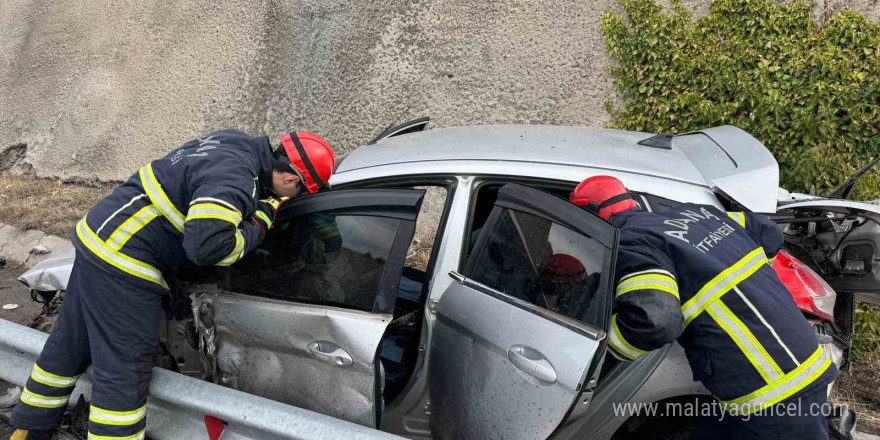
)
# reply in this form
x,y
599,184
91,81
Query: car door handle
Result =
x,y
531,362
329,353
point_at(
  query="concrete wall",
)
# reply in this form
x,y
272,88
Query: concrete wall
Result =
x,y
97,88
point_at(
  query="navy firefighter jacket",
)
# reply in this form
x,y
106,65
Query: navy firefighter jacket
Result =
x,y
192,204
701,276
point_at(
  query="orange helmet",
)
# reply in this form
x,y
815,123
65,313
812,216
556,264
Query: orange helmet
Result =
x,y
312,156
605,194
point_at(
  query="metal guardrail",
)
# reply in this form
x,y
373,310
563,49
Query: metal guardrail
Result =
x,y
177,403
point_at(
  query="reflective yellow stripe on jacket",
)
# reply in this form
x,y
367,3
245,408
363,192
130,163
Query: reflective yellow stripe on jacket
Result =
x,y
620,346
237,251
265,218
216,209
213,211
115,258
738,217
746,341
780,385
159,198
722,283
782,388
131,226
648,280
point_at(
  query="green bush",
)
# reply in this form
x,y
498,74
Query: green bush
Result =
x,y
810,93
866,335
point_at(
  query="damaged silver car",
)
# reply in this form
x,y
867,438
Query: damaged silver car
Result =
x,y
379,302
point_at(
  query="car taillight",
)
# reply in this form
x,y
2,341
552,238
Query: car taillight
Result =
x,y
811,293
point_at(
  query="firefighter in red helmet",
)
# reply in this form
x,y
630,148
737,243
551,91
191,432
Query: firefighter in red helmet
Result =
x,y
211,202
700,276
565,285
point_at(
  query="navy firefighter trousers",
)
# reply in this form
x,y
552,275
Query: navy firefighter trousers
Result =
x,y
799,417
111,321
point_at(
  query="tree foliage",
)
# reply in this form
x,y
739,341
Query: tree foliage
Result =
x,y
866,335
810,93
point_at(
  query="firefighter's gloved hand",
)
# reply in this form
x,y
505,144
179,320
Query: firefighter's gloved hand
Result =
x,y
177,304
267,211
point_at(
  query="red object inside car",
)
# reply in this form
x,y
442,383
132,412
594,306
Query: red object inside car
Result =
x,y
811,293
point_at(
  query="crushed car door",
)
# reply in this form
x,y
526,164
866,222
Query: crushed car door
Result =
x,y
838,238
300,319
522,329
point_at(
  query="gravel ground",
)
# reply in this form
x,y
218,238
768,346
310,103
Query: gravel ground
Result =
x,y
5,429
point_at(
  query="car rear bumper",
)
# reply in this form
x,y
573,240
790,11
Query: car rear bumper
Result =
x,y
836,351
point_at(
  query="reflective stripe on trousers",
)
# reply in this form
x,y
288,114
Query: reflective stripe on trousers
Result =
x,y
41,401
53,380
117,418
139,436
53,384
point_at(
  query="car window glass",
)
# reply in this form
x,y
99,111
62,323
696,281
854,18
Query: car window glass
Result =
x,y
541,262
319,258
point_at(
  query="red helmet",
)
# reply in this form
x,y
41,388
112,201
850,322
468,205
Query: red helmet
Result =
x,y
312,156
605,193
563,268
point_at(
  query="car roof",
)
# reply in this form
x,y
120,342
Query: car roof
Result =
x,y
526,150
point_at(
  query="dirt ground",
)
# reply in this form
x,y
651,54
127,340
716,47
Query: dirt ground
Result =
x,y
859,389
13,292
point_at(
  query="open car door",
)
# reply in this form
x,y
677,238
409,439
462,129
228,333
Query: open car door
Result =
x,y
300,319
840,239
522,330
